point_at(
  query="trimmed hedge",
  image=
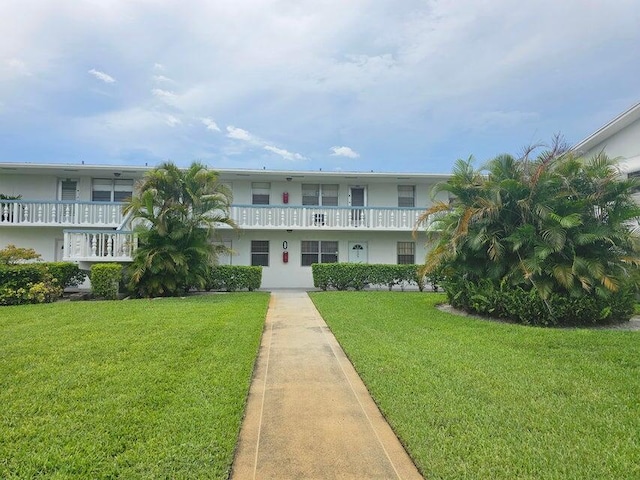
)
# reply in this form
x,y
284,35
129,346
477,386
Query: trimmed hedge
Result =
x,y
526,307
27,283
105,280
230,278
18,276
344,276
68,274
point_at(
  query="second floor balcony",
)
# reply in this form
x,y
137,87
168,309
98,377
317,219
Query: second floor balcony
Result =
x,y
273,217
327,218
63,213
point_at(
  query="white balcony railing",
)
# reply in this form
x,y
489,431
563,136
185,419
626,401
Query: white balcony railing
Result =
x,y
99,246
119,246
109,215
65,213
329,218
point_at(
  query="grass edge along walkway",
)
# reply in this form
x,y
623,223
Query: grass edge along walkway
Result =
x,y
133,389
477,399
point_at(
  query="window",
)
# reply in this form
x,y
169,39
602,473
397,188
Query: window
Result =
x,y
406,253
260,253
406,195
329,195
260,192
314,251
315,194
107,190
68,189
310,194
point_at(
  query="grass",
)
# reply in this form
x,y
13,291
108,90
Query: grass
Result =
x,y
134,389
471,398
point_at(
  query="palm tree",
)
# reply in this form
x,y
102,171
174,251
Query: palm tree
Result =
x,y
555,224
178,212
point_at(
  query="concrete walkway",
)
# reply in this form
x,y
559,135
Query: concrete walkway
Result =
x,y
309,415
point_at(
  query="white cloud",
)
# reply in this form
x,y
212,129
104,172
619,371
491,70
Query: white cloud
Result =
x,y
287,155
344,152
159,67
162,79
102,76
236,133
164,95
211,125
240,134
172,120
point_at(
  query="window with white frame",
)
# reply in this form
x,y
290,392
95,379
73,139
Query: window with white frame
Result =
x,y
68,189
314,251
329,195
260,193
320,194
406,195
310,194
406,253
107,190
260,253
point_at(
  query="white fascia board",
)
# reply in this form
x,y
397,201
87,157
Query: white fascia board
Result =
x,y
623,120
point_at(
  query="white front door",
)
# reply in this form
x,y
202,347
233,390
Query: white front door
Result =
x,y
226,258
357,252
59,253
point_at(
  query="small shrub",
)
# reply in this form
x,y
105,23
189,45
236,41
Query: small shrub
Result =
x,y
231,278
18,276
30,283
11,255
68,274
105,280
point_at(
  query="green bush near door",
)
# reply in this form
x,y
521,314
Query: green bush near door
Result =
x,y
105,280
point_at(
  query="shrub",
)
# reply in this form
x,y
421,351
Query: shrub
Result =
x,y
30,283
18,276
233,277
68,274
10,255
344,276
105,280
517,304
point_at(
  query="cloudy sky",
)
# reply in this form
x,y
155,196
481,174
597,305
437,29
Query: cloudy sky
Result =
x,y
383,85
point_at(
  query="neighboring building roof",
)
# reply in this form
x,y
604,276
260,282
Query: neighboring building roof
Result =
x,y
614,126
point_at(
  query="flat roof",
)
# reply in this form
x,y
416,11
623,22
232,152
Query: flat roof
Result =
x,y
74,169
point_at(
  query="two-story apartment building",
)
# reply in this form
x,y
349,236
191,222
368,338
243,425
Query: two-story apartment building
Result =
x,y
288,219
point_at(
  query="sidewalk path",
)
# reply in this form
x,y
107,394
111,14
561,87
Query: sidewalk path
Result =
x,y
309,416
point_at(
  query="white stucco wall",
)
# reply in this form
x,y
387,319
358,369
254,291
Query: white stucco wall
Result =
x,y
31,187
42,240
381,247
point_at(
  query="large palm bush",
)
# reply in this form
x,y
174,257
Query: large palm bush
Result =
x,y
177,213
556,229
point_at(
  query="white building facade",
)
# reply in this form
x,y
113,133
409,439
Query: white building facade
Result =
x,y
288,219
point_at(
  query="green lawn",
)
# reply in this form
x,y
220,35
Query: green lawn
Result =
x,y
132,389
477,399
